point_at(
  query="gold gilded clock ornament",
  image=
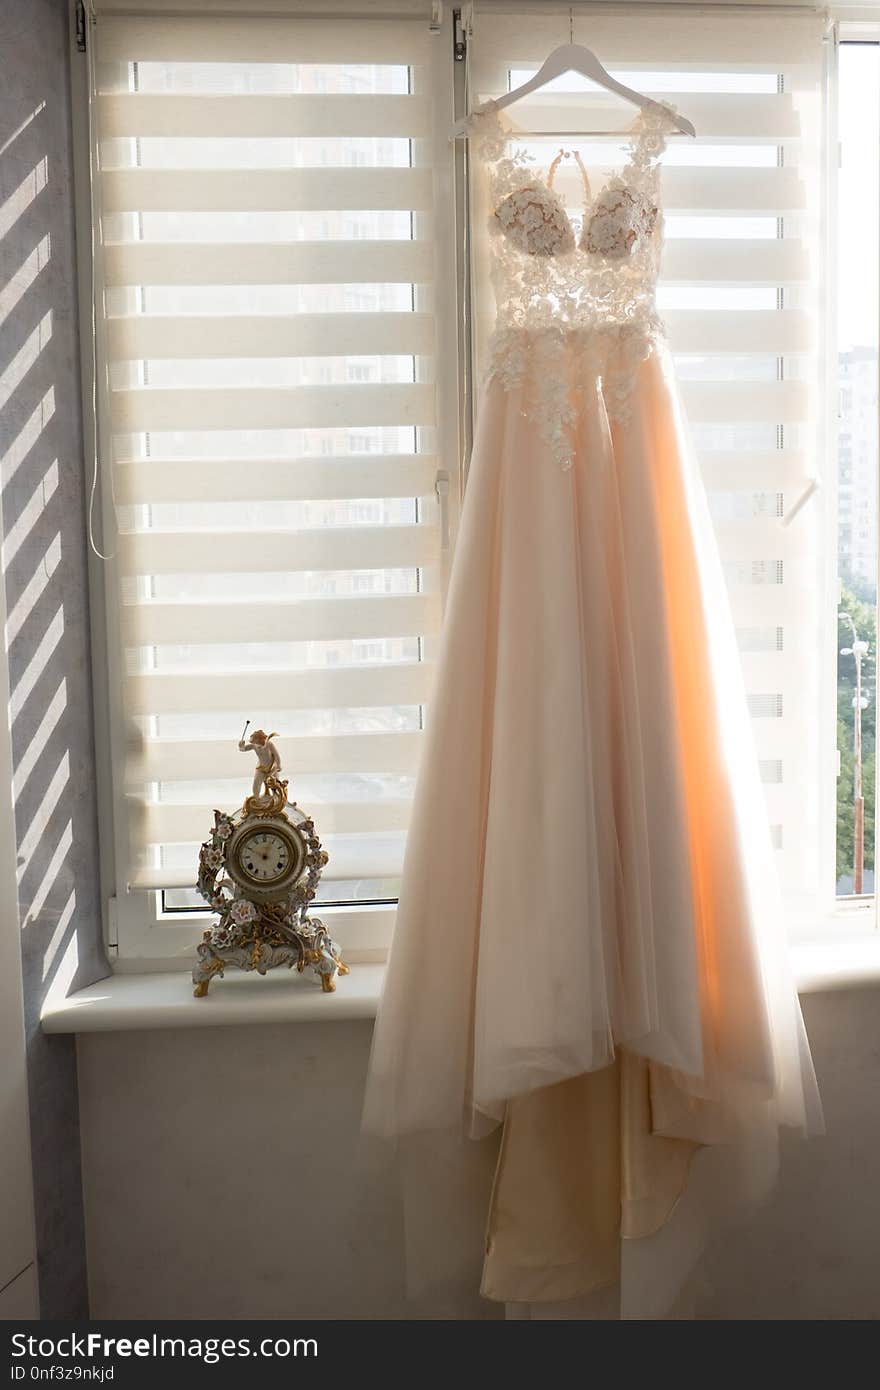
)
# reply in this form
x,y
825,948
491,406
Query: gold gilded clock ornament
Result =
x,y
259,869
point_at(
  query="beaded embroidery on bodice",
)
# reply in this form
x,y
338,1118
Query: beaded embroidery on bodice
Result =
x,y
574,303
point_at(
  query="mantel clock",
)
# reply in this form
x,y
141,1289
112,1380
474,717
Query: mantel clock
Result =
x,y
259,869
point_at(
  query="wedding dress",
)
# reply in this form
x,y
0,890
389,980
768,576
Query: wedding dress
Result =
x,y
589,954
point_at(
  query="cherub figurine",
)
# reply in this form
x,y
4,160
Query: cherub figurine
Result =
x,y
267,786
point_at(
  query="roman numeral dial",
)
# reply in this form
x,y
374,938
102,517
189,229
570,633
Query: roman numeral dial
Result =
x,y
266,858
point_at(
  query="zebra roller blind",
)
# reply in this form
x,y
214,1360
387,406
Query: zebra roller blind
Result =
x,y
271,224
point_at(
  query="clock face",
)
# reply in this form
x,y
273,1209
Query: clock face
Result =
x,y
265,858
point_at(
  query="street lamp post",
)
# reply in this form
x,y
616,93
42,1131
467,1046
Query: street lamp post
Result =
x,y
857,651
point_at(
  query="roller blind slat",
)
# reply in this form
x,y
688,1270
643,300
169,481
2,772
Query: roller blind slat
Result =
x,y
297,263
334,688
749,192
268,480
719,42
173,760
251,551
260,38
759,402
774,262
345,865
767,604
749,331
168,823
717,116
775,739
152,114
391,615
776,468
741,539
267,335
760,191
775,670
295,407
265,190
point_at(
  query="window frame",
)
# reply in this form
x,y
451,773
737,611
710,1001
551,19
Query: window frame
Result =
x,y
860,912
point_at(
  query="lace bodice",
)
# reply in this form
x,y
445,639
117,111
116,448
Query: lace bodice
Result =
x,y
575,296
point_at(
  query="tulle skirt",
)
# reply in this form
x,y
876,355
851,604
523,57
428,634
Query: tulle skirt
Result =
x,y
589,883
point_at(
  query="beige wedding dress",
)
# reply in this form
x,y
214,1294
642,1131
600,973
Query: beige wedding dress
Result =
x,y
589,956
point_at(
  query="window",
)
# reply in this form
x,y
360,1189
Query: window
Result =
x,y
743,210
858,237
270,388
279,388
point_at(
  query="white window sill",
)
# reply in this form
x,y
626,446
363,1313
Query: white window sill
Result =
x,y
165,1000
832,963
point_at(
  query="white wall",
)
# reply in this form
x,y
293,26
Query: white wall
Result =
x,y
223,1176
815,1252
222,1180
17,1241
54,918
18,1284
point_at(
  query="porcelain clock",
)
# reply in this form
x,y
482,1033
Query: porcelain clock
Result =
x,y
259,870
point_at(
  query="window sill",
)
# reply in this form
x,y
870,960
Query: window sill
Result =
x,y
123,1003
833,963
164,1000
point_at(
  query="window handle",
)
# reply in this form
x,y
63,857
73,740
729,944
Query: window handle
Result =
x,y
441,488
811,488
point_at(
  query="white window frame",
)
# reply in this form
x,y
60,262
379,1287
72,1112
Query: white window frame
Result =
x,y
852,915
